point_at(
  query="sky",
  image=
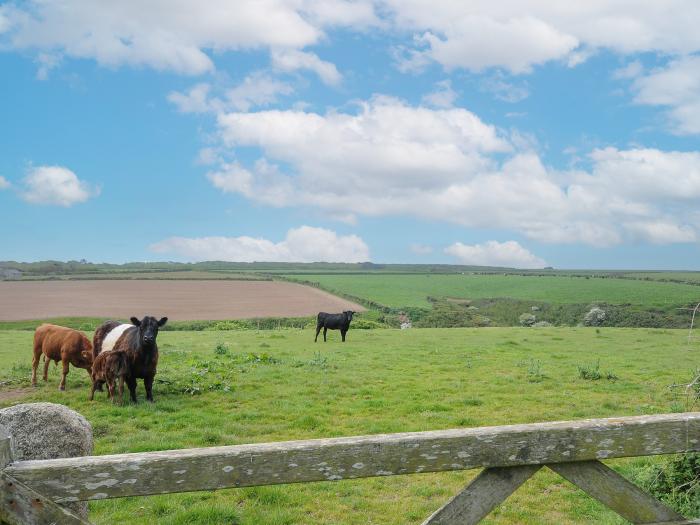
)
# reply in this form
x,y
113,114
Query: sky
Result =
x,y
523,133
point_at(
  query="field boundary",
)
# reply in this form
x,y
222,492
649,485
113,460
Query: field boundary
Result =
x,y
509,455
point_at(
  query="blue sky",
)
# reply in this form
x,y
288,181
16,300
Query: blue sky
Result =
x,y
505,133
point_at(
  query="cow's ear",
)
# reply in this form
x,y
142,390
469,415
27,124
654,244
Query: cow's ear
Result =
x,y
162,321
135,321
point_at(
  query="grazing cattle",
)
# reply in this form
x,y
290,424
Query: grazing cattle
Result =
x,y
138,340
109,367
334,322
58,343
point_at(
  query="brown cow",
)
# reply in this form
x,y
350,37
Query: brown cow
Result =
x,y
59,343
109,367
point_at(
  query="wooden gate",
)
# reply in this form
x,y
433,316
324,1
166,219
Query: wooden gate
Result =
x,y
33,491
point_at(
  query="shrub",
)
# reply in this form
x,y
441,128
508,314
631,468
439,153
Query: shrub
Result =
x,y
527,319
593,373
542,324
676,481
221,349
594,317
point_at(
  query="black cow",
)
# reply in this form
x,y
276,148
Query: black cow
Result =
x,y
334,322
138,341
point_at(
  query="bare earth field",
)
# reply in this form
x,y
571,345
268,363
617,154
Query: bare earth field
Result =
x,y
179,300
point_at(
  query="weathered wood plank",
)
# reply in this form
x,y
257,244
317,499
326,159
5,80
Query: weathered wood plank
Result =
x,y
683,522
97,477
488,490
20,505
616,492
5,450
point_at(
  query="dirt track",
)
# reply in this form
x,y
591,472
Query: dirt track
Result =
x,y
179,300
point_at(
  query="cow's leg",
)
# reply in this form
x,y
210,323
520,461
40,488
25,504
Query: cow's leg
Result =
x,y
110,390
148,383
342,334
325,330
131,383
318,329
62,386
121,390
35,364
92,390
47,362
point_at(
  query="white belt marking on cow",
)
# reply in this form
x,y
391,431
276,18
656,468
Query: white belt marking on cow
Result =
x,y
113,336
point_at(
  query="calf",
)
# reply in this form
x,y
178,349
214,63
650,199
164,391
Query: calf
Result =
x,y
109,367
334,322
58,343
138,340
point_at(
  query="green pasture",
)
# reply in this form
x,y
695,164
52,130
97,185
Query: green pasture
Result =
x,y
414,290
234,387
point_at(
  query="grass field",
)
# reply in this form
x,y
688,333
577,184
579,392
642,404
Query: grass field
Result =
x,y
216,388
414,290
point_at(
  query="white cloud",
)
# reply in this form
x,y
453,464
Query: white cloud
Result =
x,y
289,60
519,34
676,86
196,100
174,35
631,70
504,90
389,158
303,244
256,90
443,96
4,183
493,253
55,185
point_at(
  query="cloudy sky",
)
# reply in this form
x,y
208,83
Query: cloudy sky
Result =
x,y
517,132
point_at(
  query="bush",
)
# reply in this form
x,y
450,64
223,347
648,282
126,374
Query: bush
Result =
x,y
527,319
594,317
542,324
593,373
676,482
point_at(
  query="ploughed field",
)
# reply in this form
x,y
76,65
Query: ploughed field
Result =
x,y
235,387
178,299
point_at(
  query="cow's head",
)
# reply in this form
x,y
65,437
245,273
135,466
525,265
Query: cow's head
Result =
x,y
349,314
148,329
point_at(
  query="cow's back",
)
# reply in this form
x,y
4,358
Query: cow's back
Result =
x,y
100,335
52,339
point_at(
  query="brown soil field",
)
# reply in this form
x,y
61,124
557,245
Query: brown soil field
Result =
x,y
179,300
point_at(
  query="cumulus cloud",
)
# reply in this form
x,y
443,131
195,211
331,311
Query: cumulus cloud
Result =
x,y
443,96
517,35
173,35
256,90
493,253
303,244
676,87
293,60
389,158
55,185
4,183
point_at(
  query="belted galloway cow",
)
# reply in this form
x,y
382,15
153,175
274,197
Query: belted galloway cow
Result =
x,y
138,340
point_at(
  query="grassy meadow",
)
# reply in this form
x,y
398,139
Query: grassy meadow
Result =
x,y
415,290
234,387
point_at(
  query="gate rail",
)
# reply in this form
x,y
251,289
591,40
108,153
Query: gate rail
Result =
x,y
33,491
